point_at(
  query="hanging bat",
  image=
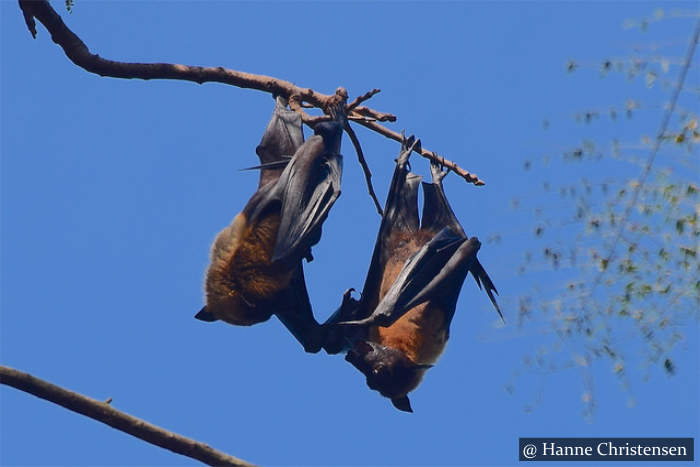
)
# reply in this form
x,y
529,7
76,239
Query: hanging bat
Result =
x,y
256,262
400,326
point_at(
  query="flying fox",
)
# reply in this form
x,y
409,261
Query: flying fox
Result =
x,y
256,262
401,324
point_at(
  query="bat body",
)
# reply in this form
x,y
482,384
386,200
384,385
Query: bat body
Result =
x,y
400,326
256,262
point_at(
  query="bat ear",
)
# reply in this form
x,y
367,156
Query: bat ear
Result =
x,y
206,315
402,403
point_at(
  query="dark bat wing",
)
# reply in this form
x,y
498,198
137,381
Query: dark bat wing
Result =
x,y
304,192
435,272
308,187
281,139
400,215
444,287
438,214
293,309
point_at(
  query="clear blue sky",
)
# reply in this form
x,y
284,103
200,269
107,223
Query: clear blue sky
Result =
x,y
112,191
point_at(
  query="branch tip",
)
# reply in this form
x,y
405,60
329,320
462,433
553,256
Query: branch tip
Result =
x,y
299,98
360,99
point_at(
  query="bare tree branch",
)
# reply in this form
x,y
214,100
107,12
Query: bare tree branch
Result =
x,y
103,412
365,167
360,99
299,98
468,176
371,113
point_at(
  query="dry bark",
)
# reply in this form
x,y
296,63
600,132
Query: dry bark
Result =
x,y
105,413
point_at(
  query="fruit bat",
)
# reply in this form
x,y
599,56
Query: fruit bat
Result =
x,y
256,262
400,325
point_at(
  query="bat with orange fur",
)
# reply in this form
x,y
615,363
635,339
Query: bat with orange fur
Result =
x,y
401,324
256,262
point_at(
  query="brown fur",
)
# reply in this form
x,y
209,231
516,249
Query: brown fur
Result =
x,y
420,334
241,276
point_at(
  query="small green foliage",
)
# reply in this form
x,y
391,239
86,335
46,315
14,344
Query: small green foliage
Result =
x,y
669,366
680,223
635,227
688,251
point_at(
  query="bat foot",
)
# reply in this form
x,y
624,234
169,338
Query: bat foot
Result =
x,y
408,145
437,172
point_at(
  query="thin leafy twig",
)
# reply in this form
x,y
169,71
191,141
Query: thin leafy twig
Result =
x,y
652,155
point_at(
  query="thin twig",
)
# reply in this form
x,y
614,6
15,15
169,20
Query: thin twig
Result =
x,y
381,116
356,118
103,412
299,98
468,176
365,167
654,150
360,99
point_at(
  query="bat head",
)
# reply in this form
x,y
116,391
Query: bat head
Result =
x,y
233,309
388,371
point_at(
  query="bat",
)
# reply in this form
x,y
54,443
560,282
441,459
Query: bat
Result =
x,y
256,262
401,324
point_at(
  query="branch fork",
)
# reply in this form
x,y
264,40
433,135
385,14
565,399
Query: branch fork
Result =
x,y
298,97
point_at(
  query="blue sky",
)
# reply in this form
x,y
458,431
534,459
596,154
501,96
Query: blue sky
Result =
x,y
112,191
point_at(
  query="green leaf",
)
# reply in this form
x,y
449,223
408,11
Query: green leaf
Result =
x,y
669,367
688,251
679,225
